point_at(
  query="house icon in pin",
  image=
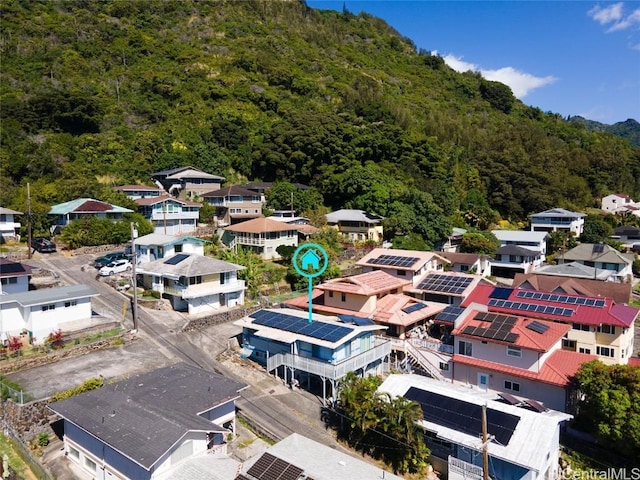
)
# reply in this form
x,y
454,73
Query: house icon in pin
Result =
x,y
310,258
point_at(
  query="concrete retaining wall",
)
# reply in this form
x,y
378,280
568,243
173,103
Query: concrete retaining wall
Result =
x,y
218,318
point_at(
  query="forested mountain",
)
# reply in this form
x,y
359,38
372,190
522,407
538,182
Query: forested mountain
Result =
x,y
96,93
629,129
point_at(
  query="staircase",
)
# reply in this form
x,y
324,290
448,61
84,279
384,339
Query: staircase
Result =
x,y
415,360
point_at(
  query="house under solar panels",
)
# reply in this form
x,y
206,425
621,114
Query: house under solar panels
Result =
x,y
321,351
405,264
524,443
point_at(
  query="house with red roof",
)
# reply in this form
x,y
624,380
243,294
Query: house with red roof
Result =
x,y
376,295
169,215
517,355
406,264
599,325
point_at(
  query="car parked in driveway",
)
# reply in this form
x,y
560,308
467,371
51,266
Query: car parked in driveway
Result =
x,y
43,245
117,266
108,258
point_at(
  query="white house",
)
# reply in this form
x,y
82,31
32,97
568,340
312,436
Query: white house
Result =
x,y
521,251
156,246
144,427
262,235
8,224
619,203
357,225
170,216
14,276
139,191
524,444
187,181
194,283
41,312
409,265
558,219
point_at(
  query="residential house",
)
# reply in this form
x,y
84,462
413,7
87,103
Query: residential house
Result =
x,y
523,444
618,203
375,295
194,283
558,219
452,242
41,312
357,225
450,288
575,270
518,355
474,263
305,230
520,252
82,208
8,225
262,236
409,265
234,204
322,350
14,276
533,240
298,457
156,246
598,325
170,216
604,257
142,427
551,282
627,235
187,182
134,192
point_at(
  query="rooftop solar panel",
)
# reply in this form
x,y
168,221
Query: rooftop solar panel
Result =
x,y
530,307
290,323
176,259
449,314
499,328
567,299
501,292
415,307
538,327
537,406
394,260
445,283
510,399
359,321
269,467
463,416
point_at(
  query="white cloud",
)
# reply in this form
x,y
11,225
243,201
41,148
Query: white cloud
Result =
x,y
521,83
614,14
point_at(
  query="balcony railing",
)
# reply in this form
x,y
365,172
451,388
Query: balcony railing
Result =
x,y
459,469
330,370
250,241
200,290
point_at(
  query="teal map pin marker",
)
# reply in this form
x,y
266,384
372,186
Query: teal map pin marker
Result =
x,y
313,261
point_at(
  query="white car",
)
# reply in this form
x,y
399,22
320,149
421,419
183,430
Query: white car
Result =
x,y
117,266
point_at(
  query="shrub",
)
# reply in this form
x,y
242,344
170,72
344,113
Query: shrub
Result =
x,y
43,439
88,385
55,339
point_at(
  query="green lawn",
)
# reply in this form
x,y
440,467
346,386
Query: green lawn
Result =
x,y
15,462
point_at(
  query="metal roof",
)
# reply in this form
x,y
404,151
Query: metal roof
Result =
x,y
520,236
190,265
80,205
558,213
345,215
49,295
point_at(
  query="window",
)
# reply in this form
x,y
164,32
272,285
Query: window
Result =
x,y
465,348
344,297
48,307
568,344
195,280
605,351
402,273
71,303
330,294
9,281
464,268
74,453
581,327
513,386
607,329
444,366
90,464
585,350
514,351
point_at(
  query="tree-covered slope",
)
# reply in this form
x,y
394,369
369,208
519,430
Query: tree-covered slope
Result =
x,y
629,129
98,93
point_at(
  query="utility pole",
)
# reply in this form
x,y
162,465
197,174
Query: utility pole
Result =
x,y
29,220
485,443
292,213
134,261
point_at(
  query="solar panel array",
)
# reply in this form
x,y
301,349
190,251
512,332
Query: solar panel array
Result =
x,y
501,292
415,307
359,321
463,416
445,283
176,259
269,467
302,326
394,260
500,328
494,317
538,327
532,307
568,299
449,314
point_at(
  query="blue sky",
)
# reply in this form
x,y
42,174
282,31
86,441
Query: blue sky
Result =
x,y
567,57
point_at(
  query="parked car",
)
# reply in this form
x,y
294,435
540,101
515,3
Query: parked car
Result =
x,y
117,266
43,245
108,258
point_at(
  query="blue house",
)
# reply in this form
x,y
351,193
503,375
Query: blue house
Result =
x,y
325,349
142,427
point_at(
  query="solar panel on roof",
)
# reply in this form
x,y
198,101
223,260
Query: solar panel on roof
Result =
x,y
394,260
445,283
501,292
538,327
499,329
567,299
290,323
270,467
359,321
176,259
510,399
415,307
531,307
463,416
537,406
449,314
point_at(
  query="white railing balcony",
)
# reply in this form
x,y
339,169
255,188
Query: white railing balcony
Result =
x,y
159,216
461,470
203,289
250,241
424,343
333,371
